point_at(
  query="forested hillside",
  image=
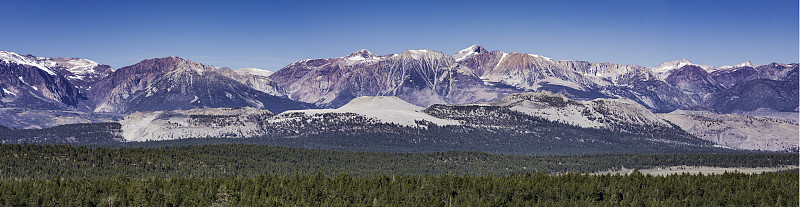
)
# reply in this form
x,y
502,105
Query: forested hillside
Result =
x,y
729,189
54,161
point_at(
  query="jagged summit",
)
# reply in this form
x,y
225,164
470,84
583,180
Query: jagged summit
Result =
x,y
740,65
168,64
663,70
748,64
167,59
29,60
469,51
671,65
173,83
361,55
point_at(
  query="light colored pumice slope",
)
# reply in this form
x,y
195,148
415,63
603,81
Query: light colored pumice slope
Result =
x,y
194,123
388,109
248,122
792,116
738,131
598,113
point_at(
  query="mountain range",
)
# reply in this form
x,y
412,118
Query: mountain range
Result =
x,y
420,77
43,92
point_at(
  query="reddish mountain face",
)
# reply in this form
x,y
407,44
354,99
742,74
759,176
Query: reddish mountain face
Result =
x,y
173,83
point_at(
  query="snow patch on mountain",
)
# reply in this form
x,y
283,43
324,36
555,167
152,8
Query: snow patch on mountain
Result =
x,y
663,70
10,57
539,56
5,91
80,68
501,59
255,72
469,51
360,56
744,64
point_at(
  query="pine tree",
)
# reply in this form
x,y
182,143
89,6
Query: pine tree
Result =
x,y
222,197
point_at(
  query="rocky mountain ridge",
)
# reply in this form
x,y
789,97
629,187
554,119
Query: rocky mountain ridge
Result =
x,y
425,77
85,90
173,83
420,77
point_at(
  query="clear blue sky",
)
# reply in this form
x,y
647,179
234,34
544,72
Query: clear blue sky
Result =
x,y
272,34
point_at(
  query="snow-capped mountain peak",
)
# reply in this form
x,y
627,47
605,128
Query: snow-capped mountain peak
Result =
x,y
748,64
539,56
666,68
671,65
360,55
79,68
469,51
10,57
744,64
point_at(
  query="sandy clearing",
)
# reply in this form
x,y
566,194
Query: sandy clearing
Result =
x,y
699,169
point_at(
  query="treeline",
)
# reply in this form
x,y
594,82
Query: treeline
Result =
x,y
729,189
64,161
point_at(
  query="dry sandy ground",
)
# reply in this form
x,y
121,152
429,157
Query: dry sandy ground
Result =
x,y
698,169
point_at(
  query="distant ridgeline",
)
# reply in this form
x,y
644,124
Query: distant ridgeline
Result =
x,y
414,101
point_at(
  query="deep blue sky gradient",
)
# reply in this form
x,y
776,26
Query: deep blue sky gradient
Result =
x,y
272,34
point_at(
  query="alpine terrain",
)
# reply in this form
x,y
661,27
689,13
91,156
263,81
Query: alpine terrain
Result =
x,y
416,100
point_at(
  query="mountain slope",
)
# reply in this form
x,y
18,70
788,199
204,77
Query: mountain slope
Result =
x,y
615,114
576,79
178,124
474,74
176,84
756,94
693,81
747,71
420,77
737,131
529,123
27,82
